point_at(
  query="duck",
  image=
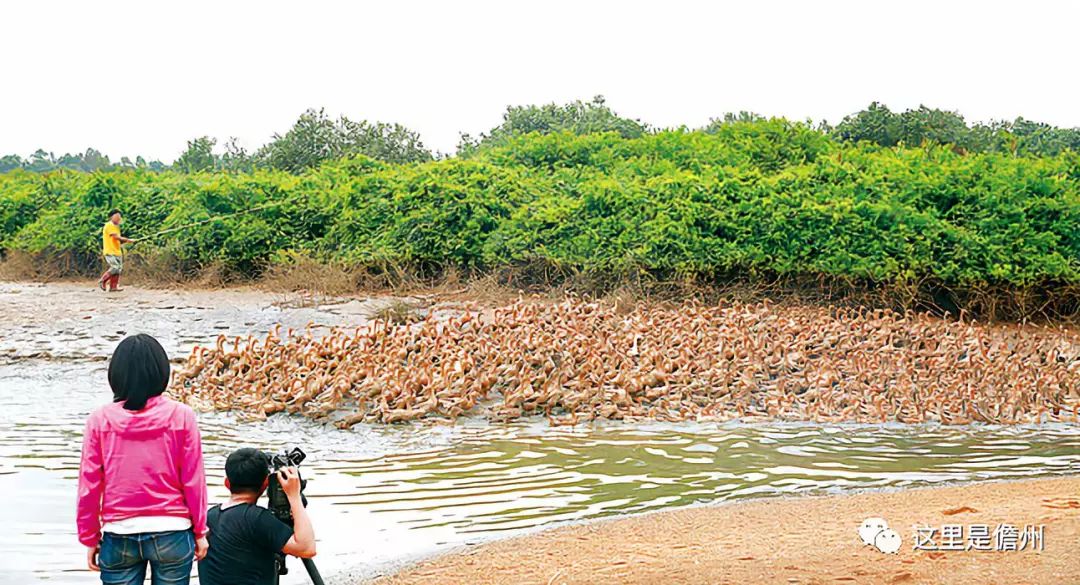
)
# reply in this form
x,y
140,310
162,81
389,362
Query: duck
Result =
x,y
576,360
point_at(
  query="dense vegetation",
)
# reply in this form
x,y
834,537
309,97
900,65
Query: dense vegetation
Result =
x,y
578,117
315,138
880,126
745,198
89,161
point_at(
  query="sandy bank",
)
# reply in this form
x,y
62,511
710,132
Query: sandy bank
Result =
x,y
811,540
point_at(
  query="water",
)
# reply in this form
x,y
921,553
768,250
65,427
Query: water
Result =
x,y
381,495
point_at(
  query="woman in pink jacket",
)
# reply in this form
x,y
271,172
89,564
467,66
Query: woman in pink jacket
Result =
x,y
142,491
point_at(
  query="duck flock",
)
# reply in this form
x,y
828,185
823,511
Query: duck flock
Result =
x,y
577,361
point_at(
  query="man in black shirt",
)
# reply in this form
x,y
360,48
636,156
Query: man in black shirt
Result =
x,y
244,537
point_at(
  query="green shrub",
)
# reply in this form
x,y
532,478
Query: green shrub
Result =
x,y
751,196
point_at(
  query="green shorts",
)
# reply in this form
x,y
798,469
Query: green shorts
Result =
x,y
116,264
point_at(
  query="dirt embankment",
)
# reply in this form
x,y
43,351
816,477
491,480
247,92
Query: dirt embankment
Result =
x,y
806,541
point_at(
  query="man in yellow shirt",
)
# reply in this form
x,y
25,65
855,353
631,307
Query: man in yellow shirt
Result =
x,y
114,255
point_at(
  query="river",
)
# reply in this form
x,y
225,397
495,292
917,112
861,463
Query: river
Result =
x,y
381,496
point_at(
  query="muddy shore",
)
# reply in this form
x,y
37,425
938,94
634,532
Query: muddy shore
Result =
x,y
799,540
74,321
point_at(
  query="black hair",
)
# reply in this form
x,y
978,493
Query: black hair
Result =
x,y
112,213
138,371
247,469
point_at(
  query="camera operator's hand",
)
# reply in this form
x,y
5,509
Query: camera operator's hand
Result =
x,y
201,546
91,557
290,482
302,543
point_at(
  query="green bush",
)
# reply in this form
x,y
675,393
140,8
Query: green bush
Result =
x,y
754,196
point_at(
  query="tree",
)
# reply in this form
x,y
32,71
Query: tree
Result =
x,y
312,139
154,165
315,138
874,124
742,116
933,125
913,127
577,117
392,143
199,156
236,157
732,118
92,160
41,162
71,162
1043,139
11,162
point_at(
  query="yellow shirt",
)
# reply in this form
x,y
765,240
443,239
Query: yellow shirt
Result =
x,y
110,246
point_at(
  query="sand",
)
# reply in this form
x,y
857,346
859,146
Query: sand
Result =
x,y
807,540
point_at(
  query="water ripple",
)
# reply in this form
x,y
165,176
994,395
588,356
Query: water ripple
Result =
x,y
380,494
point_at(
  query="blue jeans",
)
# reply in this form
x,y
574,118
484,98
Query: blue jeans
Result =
x,y
123,557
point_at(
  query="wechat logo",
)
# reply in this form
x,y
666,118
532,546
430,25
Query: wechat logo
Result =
x,y
875,532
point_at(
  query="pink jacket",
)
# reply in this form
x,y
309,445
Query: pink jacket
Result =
x,y
141,463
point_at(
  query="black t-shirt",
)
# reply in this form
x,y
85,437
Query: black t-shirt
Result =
x,y
243,539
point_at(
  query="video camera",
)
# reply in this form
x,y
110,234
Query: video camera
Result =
x,y
279,502
280,508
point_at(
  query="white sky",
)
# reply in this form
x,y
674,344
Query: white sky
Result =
x,y
143,77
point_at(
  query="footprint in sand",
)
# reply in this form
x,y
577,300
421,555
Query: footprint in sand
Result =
x,y
1061,503
960,510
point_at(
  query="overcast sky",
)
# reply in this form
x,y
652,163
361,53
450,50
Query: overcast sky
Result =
x,y
143,77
